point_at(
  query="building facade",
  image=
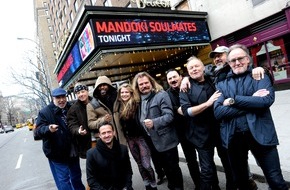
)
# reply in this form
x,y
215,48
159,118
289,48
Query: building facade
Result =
x,y
261,25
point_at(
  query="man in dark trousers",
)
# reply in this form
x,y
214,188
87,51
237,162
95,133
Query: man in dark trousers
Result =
x,y
108,164
197,107
247,124
78,121
180,124
57,143
155,116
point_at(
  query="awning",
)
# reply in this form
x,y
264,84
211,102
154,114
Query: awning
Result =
x,y
120,42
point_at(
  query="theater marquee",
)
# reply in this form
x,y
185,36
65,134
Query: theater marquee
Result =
x,y
144,31
109,29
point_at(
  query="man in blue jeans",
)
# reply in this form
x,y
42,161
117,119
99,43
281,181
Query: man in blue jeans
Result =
x,y
57,145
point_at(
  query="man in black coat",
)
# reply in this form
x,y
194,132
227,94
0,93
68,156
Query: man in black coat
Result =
x,y
197,107
57,143
78,121
108,164
180,124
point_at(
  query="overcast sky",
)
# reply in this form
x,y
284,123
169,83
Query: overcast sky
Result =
x,y
17,20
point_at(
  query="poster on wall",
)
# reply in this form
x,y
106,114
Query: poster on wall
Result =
x,y
111,32
86,42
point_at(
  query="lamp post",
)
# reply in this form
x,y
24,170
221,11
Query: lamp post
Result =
x,y
41,74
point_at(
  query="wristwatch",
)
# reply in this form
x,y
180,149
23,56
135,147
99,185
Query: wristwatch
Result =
x,y
231,101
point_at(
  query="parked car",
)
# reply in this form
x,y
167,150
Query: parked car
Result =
x,y
1,130
8,128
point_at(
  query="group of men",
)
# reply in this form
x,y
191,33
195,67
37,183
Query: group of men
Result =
x,y
227,109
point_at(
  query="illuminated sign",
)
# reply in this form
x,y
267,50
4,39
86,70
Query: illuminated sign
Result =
x,y
140,31
86,42
71,64
152,3
80,51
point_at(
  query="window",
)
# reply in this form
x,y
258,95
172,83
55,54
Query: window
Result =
x,y
67,24
273,55
48,20
50,28
62,19
93,2
68,2
256,2
107,3
71,16
64,11
76,5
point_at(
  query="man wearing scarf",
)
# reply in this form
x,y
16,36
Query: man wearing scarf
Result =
x,y
108,164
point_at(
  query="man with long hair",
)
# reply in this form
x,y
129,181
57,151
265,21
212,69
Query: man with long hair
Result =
x,y
155,115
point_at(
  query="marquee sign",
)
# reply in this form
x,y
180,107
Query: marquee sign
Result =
x,y
111,32
102,30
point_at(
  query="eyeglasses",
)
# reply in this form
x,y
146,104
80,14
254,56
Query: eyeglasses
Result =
x,y
239,59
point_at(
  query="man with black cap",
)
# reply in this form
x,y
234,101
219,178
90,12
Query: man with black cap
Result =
x,y
78,121
57,142
101,107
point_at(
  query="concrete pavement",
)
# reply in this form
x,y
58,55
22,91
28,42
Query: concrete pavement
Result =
x,y
281,114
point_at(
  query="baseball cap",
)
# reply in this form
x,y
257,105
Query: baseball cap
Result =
x,y
219,49
58,92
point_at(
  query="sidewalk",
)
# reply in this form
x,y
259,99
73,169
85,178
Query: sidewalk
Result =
x,y
281,115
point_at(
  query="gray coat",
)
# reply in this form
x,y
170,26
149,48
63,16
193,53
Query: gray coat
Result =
x,y
159,109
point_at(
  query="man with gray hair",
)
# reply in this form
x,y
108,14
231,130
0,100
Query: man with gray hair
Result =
x,y
247,124
57,142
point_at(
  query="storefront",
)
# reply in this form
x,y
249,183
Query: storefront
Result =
x,y
269,43
120,42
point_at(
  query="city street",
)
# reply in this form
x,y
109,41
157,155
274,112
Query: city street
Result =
x,y
24,166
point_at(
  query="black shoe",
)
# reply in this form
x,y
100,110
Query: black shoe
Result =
x,y
216,187
160,180
252,185
148,187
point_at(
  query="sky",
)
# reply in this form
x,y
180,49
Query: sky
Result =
x,y
17,20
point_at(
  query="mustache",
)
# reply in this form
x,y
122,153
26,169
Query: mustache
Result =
x,y
174,82
145,88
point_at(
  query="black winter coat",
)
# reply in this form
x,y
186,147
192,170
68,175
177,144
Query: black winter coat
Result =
x,y
109,169
77,116
57,145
